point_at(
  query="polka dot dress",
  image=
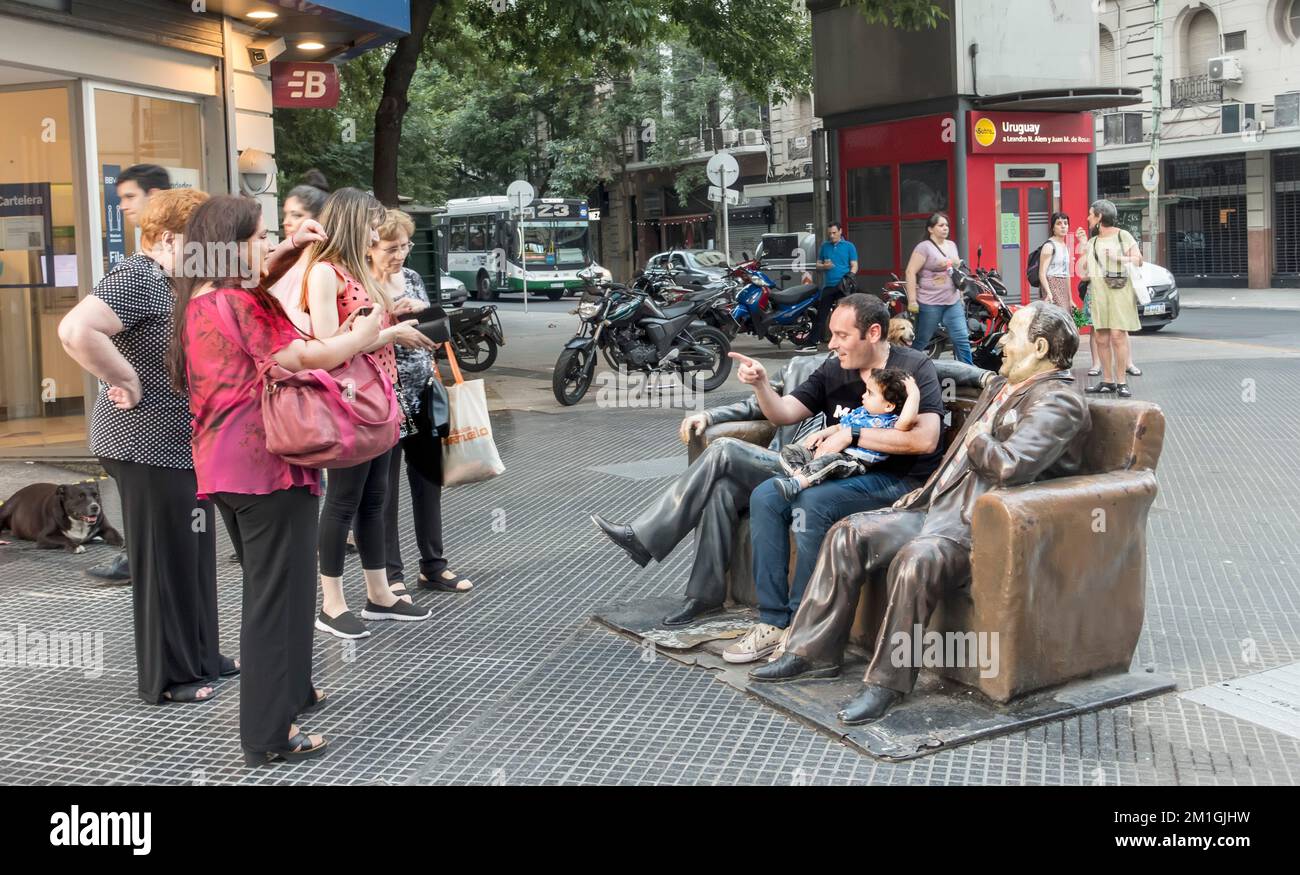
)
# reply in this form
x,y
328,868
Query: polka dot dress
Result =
x,y
157,430
353,297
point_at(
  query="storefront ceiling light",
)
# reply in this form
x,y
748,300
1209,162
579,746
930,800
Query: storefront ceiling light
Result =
x,y
263,14
311,46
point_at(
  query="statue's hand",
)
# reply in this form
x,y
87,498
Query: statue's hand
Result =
x,y
693,425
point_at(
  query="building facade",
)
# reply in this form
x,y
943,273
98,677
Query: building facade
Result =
x,y
1229,190
985,117
90,88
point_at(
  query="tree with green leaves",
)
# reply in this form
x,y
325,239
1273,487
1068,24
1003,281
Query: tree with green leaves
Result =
x,y
556,49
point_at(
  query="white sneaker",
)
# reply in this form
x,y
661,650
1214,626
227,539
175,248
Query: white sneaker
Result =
x,y
780,646
757,643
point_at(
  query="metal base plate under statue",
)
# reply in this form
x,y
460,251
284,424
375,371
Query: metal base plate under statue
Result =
x,y
939,714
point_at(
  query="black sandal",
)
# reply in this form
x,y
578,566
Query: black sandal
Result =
x,y
1123,391
319,700
229,668
186,694
1101,389
443,584
300,748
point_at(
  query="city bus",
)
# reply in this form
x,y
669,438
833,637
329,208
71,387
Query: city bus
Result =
x,y
483,245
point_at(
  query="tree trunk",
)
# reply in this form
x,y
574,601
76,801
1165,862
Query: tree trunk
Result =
x,y
398,73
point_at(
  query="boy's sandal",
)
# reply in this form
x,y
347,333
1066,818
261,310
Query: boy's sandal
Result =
x,y
186,693
446,584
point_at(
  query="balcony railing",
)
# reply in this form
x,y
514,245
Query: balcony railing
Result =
x,y
1191,90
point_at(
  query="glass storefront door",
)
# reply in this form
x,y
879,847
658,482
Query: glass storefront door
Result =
x,y
41,389
133,128
1023,212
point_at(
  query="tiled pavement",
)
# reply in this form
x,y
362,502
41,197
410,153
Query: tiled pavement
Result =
x,y
512,684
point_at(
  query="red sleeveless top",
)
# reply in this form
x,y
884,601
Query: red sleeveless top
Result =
x,y
352,297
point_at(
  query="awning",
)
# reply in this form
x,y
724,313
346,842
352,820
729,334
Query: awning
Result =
x,y
346,28
685,220
1060,100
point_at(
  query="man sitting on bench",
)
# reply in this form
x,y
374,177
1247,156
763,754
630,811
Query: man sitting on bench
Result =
x,y
1029,426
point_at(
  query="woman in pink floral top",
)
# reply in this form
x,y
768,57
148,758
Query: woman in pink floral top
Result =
x,y
224,331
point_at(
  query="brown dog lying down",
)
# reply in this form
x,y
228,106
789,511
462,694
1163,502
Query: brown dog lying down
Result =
x,y
58,516
901,332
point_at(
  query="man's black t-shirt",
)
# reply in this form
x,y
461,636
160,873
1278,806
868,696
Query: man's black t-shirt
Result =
x,y
835,392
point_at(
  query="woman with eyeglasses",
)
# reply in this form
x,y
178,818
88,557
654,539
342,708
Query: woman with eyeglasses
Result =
x,y
415,367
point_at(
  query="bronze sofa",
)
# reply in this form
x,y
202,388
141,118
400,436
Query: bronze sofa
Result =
x,y
1058,566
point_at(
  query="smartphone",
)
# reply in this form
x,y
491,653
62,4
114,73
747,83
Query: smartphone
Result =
x,y
364,311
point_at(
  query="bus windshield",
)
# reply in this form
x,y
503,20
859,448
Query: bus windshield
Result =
x,y
555,245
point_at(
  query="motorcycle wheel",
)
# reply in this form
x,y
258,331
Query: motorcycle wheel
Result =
x,y
476,353
936,347
573,372
717,344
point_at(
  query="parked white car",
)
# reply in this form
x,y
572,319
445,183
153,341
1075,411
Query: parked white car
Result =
x,y
1164,305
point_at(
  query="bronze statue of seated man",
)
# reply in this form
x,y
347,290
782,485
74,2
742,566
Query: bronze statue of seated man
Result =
x,y
1029,424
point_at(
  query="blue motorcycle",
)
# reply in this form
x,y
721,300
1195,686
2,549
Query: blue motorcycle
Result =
x,y
777,314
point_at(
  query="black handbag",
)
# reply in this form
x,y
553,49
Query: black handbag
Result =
x,y
423,446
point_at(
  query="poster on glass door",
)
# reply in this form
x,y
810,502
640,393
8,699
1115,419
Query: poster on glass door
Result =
x,y
26,235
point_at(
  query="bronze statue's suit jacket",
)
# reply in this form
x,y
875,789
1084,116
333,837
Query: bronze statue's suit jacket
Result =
x,y
1037,433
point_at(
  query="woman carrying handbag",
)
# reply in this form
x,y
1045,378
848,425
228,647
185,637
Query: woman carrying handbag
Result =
x,y
226,336
425,402
1110,262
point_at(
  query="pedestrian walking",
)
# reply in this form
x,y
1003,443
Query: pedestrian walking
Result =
x,y
932,297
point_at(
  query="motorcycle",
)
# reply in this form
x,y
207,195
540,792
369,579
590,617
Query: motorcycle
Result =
x,y
718,300
894,296
776,314
987,316
635,332
476,334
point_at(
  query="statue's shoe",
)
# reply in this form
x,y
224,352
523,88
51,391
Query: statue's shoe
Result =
x,y
691,610
625,538
869,705
792,667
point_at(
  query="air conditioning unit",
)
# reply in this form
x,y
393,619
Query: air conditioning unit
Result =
x,y
751,137
730,136
1286,110
1224,69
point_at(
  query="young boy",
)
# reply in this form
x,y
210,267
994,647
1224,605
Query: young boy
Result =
x,y
892,400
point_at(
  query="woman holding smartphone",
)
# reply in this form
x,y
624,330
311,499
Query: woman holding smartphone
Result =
x,y
339,284
415,367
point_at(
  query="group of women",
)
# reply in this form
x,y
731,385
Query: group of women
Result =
x,y
179,426
1105,256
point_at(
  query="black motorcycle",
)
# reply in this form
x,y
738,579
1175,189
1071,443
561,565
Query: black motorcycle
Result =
x,y
634,332
476,334
718,299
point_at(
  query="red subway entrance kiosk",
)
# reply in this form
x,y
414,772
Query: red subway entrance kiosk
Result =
x,y
1017,168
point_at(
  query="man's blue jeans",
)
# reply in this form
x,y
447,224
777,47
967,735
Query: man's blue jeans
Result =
x,y
810,516
953,317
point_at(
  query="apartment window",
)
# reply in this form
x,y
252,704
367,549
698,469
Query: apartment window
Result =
x,y
1107,56
1234,42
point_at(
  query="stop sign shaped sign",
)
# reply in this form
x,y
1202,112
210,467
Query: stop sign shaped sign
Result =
x,y
304,85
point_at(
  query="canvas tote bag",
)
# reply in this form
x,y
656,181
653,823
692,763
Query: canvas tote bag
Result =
x,y
469,454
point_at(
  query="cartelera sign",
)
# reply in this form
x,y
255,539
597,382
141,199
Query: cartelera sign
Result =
x,y
1006,132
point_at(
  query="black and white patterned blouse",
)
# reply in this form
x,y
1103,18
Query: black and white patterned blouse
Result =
x,y
414,366
157,430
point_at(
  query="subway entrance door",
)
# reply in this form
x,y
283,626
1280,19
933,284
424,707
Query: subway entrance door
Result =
x,y
1023,212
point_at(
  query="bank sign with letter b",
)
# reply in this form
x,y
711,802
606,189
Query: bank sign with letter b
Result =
x,y
304,85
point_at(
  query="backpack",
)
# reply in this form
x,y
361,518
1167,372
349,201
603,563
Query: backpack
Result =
x,y
1031,264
